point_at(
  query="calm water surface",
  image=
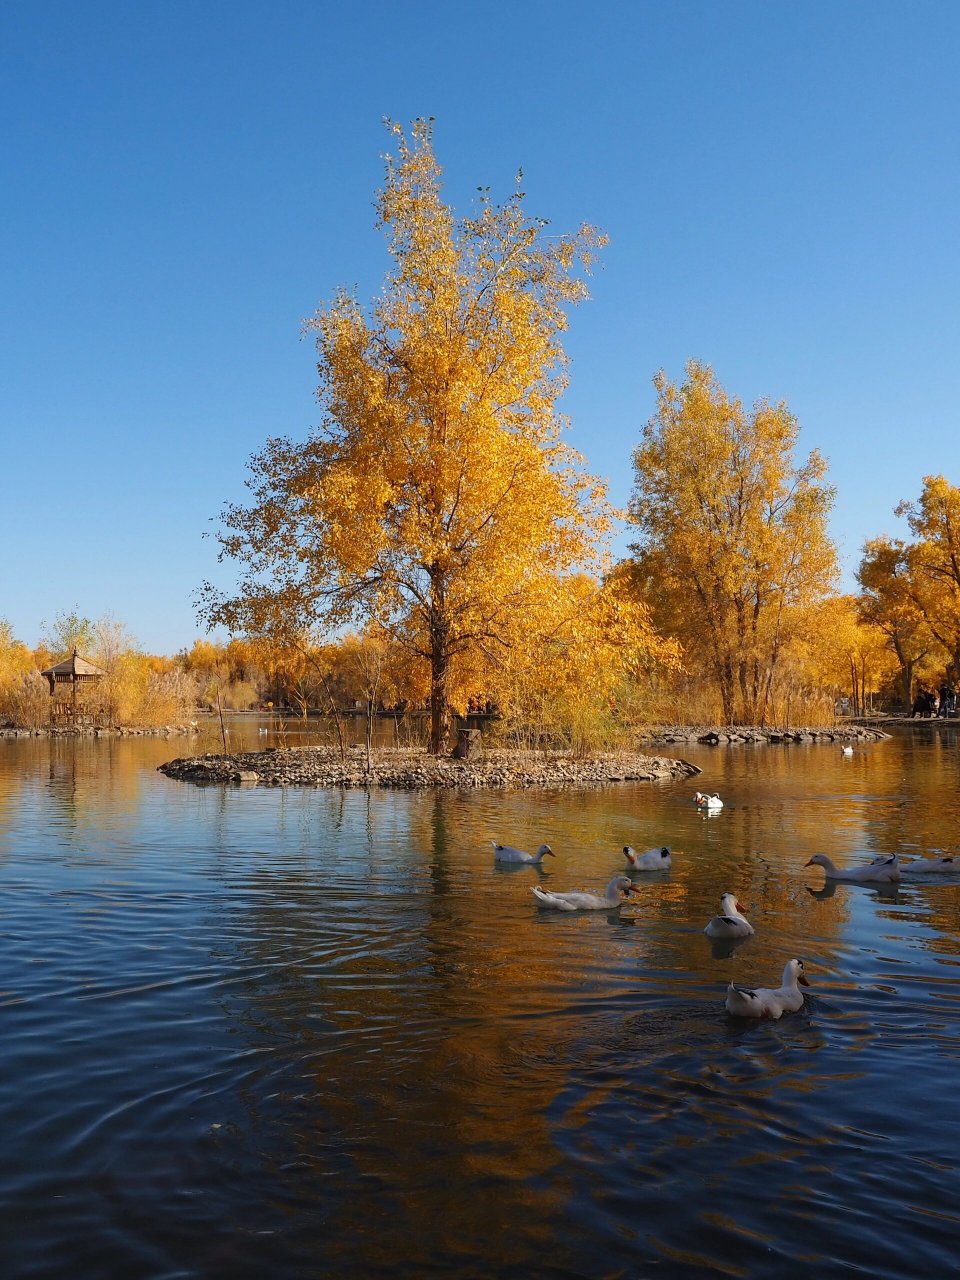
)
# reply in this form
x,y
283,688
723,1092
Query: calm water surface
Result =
x,y
256,1033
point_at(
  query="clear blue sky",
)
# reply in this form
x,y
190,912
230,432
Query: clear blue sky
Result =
x,y
185,182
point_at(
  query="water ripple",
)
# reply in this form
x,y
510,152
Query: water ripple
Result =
x,y
254,1033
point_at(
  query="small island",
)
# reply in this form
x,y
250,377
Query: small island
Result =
x,y
411,768
414,769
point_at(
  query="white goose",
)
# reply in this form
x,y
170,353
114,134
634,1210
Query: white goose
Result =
x,y
731,923
707,802
586,901
507,853
766,1002
652,860
886,871
925,866
846,751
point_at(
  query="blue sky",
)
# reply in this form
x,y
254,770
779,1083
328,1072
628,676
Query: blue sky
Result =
x,y
184,183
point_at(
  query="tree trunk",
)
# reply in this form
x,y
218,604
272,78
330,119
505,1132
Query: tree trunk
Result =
x,y
906,680
726,691
441,720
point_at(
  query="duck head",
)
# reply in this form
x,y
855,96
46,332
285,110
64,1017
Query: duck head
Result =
x,y
794,972
729,902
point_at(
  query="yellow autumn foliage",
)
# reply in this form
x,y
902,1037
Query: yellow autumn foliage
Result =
x,y
437,500
733,545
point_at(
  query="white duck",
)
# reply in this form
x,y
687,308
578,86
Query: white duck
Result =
x,y
886,871
652,860
846,751
707,802
766,1002
507,853
586,901
731,923
925,866
929,867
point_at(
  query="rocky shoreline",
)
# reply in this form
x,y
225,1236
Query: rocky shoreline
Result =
x,y
411,769
848,734
100,731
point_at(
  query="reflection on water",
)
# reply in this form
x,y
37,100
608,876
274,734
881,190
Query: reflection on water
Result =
x,y
250,1032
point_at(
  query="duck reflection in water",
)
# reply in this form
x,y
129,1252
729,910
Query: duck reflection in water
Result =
x,y
724,948
882,892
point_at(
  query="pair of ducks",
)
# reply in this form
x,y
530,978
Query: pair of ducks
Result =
x,y
652,860
756,1002
887,869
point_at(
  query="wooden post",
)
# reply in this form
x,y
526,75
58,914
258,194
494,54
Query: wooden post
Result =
x,y
469,745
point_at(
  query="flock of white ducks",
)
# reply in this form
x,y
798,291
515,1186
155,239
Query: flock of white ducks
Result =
x,y
731,924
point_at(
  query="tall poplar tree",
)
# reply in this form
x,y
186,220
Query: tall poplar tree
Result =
x,y
437,488
934,562
733,534
888,601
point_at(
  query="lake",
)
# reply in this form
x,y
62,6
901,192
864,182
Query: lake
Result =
x,y
264,1033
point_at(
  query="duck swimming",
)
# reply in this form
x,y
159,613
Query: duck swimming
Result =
x,y
613,897
652,860
929,867
885,871
767,1002
731,923
925,866
507,853
707,802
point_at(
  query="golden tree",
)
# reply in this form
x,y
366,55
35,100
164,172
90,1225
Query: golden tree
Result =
x,y
837,652
734,541
23,693
888,601
934,562
437,489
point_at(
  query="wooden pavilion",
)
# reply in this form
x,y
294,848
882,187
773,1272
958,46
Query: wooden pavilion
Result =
x,y
73,671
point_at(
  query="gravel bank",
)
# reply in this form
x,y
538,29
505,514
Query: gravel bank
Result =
x,y
849,735
413,769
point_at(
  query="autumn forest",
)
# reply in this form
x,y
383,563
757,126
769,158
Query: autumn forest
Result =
x,y
434,543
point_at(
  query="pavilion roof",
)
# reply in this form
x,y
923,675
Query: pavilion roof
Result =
x,y
73,668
